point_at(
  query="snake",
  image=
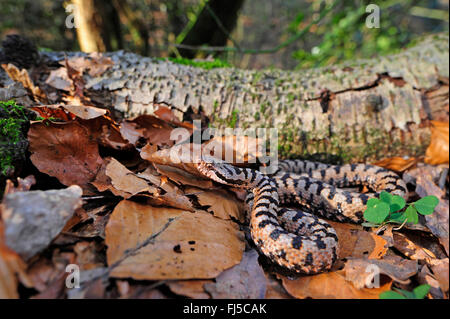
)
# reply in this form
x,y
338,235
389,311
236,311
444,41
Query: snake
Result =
x,y
298,239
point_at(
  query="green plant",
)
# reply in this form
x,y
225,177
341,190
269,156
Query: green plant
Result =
x,y
418,293
207,65
390,209
13,123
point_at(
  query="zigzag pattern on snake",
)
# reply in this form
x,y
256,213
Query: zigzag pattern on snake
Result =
x,y
295,239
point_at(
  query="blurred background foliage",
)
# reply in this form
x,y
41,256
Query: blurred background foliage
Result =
x,y
286,34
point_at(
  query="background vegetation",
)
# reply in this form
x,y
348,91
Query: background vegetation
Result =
x,y
153,27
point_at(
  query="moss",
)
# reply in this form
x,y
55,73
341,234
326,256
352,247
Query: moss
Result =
x,y
207,65
234,118
13,125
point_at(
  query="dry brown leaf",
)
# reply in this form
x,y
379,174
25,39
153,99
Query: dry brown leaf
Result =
x,y
190,288
397,164
167,193
23,77
362,271
243,281
411,249
220,203
234,149
54,111
125,180
438,222
355,242
89,255
437,152
106,132
275,289
102,182
426,276
182,177
23,185
440,270
149,128
166,114
59,79
85,112
146,242
11,266
65,151
330,285
181,156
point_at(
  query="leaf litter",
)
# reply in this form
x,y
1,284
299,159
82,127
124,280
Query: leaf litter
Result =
x,y
141,219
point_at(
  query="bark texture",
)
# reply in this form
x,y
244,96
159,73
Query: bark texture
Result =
x,y
359,110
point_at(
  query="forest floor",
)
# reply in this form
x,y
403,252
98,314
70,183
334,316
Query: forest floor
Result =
x,y
103,197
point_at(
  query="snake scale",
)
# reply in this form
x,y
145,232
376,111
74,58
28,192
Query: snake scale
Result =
x,y
298,239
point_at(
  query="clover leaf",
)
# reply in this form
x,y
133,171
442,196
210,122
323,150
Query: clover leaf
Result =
x,y
426,205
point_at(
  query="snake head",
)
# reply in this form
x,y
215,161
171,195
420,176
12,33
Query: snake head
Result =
x,y
221,172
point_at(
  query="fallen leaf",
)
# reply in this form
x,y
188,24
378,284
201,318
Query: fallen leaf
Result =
x,y
54,112
362,271
411,249
440,270
146,242
355,242
138,291
182,177
438,152
181,156
85,112
243,281
332,285
89,255
93,284
66,151
427,277
23,77
59,79
234,149
23,185
124,180
190,288
11,266
438,221
166,114
219,203
148,128
397,164
275,289
106,132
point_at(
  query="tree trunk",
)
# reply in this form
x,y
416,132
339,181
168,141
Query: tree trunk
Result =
x,y
98,26
208,30
359,110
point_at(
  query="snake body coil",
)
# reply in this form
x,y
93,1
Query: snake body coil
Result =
x,y
294,239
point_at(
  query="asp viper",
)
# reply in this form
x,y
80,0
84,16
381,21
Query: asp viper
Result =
x,y
299,240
